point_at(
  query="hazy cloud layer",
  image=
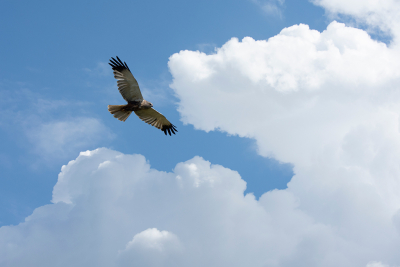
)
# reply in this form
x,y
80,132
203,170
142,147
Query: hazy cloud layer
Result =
x,y
271,7
58,139
49,129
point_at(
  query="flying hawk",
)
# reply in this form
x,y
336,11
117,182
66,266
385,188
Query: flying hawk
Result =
x,y
130,91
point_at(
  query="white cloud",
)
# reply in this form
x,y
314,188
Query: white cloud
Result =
x,y
381,14
105,202
151,248
313,83
111,209
329,104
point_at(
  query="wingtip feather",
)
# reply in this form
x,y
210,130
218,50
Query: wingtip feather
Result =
x,y
117,64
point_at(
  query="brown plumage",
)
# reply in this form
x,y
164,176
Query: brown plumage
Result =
x,y
130,91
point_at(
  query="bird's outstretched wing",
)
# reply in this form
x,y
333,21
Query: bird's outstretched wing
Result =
x,y
156,119
127,84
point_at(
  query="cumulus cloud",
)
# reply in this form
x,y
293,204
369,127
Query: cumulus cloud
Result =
x,y
294,93
382,15
151,248
111,209
327,102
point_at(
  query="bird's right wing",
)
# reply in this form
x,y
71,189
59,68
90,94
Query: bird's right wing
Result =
x,y
127,84
156,119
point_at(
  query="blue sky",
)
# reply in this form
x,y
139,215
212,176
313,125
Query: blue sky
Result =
x,y
296,102
53,51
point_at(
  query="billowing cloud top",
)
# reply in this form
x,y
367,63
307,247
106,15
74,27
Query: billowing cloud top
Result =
x,y
111,209
295,93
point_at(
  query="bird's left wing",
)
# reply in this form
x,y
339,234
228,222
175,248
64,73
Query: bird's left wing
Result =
x,y
127,84
156,119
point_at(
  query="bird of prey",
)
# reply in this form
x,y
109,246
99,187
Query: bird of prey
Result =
x,y
130,91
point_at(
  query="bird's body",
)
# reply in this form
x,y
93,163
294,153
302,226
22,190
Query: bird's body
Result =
x,y
137,105
130,91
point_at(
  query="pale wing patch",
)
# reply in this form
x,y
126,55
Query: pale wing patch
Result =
x,y
128,86
156,119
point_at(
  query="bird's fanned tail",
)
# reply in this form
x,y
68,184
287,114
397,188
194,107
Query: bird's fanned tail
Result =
x,y
119,112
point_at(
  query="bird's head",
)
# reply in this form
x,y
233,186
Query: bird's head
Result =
x,y
146,104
